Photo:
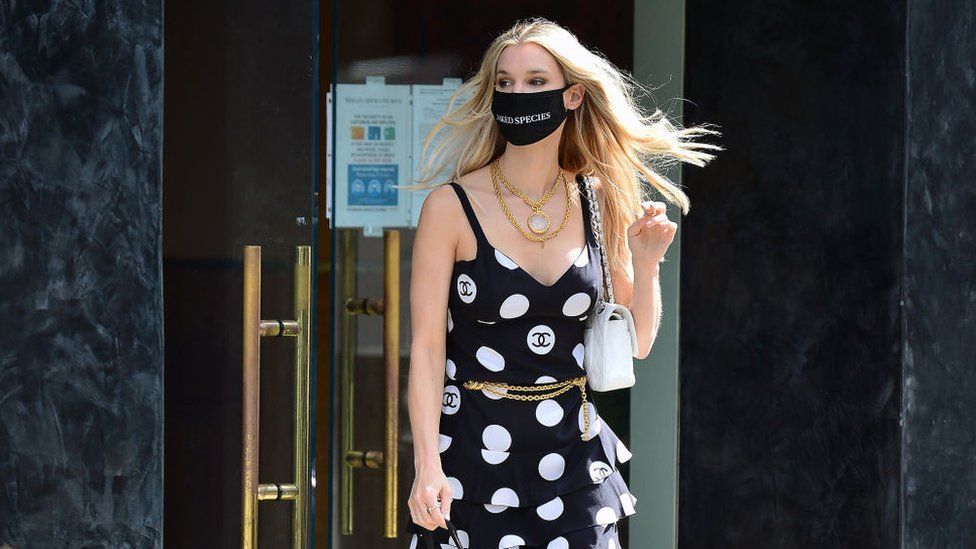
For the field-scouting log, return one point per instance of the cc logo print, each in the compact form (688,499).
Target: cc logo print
(541,338)
(599,471)
(451,400)
(466,288)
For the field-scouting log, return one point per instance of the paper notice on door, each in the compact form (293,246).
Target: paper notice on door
(372,155)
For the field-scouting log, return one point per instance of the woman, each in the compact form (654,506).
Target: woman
(507,251)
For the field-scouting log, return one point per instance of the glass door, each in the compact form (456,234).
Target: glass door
(240,272)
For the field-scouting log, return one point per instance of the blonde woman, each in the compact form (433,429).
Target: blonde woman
(506,270)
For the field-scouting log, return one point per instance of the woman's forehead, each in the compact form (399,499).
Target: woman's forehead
(528,58)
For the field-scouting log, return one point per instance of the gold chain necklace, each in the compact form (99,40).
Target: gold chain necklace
(496,174)
(538,221)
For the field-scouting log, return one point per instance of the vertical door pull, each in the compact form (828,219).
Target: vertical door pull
(252,491)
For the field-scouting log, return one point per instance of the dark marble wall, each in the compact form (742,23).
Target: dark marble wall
(940,278)
(81,336)
(791,343)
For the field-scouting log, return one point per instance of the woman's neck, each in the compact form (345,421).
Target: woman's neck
(531,169)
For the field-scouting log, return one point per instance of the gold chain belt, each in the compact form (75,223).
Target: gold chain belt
(502,390)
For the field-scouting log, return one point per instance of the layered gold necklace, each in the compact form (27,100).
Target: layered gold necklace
(538,221)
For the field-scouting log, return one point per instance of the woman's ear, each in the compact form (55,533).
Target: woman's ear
(576,92)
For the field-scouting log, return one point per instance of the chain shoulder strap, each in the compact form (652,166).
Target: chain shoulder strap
(596,223)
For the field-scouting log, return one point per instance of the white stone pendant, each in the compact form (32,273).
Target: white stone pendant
(539,222)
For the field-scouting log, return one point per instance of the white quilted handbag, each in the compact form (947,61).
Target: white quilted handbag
(610,338)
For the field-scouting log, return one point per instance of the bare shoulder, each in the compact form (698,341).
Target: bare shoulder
(475,176)
(440,209)
(476,180)
(477,186)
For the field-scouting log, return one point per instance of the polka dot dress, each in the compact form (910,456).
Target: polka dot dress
(521,474)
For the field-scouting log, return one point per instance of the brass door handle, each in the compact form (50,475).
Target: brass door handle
(389,307)
(254,328)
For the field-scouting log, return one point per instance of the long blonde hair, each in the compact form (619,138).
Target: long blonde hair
(607,136)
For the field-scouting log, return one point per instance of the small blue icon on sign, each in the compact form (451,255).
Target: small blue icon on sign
(372,184)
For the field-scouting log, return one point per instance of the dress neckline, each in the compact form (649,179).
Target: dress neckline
(483,241)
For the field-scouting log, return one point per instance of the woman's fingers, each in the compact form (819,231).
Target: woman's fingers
(446,497)
(653,207)
(436,511)
(430,500)
(428,519)
(419,514)
(637,226)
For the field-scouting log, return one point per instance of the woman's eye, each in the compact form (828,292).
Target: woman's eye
(534,82)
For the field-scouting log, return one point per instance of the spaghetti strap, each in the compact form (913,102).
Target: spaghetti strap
(469,213)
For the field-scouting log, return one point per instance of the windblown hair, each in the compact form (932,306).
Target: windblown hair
(607,136)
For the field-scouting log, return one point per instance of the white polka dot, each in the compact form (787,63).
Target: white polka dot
(510,540)
(514,305)
(627,504)
(497,438)
(558,543)
(462,537)
(466,288)
(596,422)
(451,400)
(540,339)
(486,321)
(577,304)
(578,354)
(606,515)
(450,320)
(505,496)
(495,508)
(451,369)
(413,541)
(444,443)
(549,412)
(623,454)
(493,457)
(551,466)
(551,510)
(545,379)
(599,471)
(457,491)
(505,261)
(490,358)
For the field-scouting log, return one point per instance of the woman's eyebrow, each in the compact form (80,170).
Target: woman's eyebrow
(533,71)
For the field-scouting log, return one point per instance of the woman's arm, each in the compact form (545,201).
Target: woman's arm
(433,259)
(640,291)
(643,297)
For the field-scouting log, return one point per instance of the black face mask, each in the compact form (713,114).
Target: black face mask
(525,118)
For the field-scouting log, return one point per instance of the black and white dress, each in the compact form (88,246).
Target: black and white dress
(521,474)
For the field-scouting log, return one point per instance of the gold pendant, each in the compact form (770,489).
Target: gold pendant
(539,222)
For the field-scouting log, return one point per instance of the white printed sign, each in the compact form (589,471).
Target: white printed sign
(372,155)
